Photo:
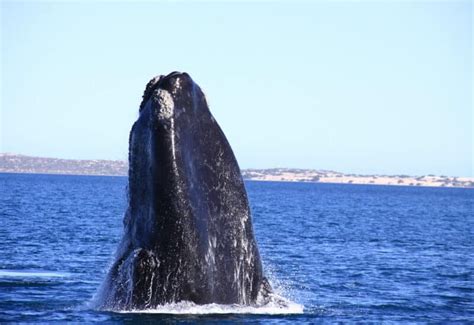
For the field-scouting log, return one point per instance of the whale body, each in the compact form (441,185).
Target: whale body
(188,232)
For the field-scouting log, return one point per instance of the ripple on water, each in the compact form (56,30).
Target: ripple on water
(347,253)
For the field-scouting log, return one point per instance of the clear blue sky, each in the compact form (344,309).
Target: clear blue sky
(363,87)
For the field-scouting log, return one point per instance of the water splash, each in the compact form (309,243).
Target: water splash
(275,307)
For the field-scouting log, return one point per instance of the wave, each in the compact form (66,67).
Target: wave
(190,308)
(31,274)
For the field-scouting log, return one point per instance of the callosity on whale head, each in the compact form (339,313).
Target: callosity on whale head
(188,232)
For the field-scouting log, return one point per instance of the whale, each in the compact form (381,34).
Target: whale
(187,230)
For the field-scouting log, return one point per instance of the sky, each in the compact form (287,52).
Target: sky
(376,87)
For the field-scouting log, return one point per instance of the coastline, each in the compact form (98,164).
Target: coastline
(22,164)
(357,184)
(331,177)
(245,179)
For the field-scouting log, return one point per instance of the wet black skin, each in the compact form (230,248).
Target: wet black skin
(187,231)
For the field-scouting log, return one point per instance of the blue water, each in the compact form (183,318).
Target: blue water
(345,252)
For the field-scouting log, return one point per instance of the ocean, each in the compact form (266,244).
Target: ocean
(338,252)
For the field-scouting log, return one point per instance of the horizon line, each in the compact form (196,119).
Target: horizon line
(248,168)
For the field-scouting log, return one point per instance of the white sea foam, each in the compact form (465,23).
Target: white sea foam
(190,308)
(31,274)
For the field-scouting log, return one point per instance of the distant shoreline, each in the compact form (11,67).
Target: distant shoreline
(21,164)
(245,180)
(59,174)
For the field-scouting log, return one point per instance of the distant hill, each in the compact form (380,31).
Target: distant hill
(12,163)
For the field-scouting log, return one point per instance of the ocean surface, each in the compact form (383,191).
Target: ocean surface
(340,253)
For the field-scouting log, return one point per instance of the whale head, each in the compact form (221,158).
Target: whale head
(173,139)
(169,96)
(187,230)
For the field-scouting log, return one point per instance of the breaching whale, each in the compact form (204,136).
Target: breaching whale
(188,232)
